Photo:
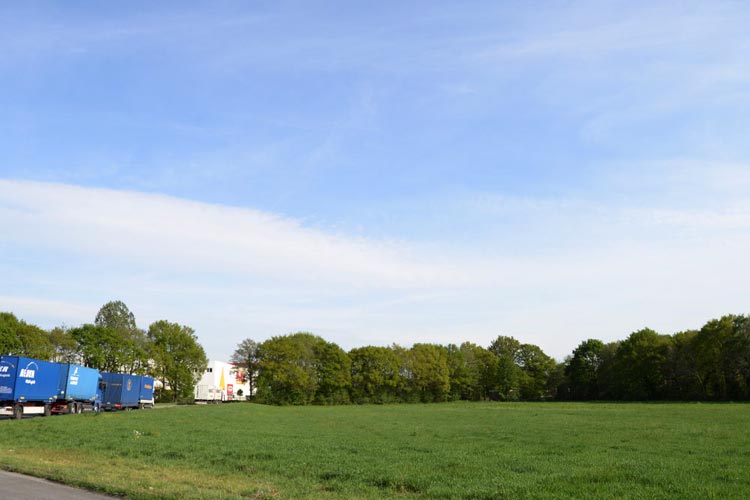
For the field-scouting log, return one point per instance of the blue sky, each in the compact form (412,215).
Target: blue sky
(377,173)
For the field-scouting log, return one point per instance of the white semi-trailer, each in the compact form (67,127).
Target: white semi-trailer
(222,382)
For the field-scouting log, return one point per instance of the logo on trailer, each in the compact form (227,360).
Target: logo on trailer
(29,373)
(5,370)
(74,377)
(130,384)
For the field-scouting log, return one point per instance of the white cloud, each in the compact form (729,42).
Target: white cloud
(175,233)
(233,273)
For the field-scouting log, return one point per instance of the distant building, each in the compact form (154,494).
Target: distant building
(222,382)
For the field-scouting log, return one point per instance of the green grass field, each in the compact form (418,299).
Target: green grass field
(457,450)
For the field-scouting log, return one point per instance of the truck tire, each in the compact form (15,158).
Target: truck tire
(47,410)
(18,411)
(72,407)
(79,408)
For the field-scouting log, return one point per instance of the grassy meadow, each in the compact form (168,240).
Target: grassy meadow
(455,450)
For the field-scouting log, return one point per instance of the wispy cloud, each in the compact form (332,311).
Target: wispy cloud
(174,232)
(620,68)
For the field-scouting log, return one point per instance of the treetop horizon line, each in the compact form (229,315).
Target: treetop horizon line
(678,366)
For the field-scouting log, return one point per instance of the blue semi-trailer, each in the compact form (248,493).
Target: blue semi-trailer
(79,390)
(120,391)
(28,386)
(125,392)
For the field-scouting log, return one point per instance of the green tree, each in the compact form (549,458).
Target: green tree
(685,380)
(23,339)
(462,378)
(131,342)
(582,370)
(557,381)
(430,374)
(607,378)
(10,342)
(641,366)
(116,315)
(536,369)
(99,347)
(246,356)
(710,351)
(288,369)
(333,373)
(479,372)
(737,358)
(722,357)
(375,375)
(507,350)
(406,389)
(64,345)
(178,357)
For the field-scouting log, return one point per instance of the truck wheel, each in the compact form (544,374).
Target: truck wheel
(47,410)
(79,408)
(18,411)
(72,408)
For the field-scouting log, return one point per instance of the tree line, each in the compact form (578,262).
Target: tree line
(167,351)
(712,363)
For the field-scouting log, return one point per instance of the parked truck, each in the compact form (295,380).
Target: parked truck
(79,390)
(33,387)
(125,392)
(28,386)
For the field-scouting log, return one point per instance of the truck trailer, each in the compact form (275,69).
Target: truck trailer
(79,390)
(28,386)
(222,382)
(125,392)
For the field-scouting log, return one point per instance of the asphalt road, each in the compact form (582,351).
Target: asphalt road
(41,489)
